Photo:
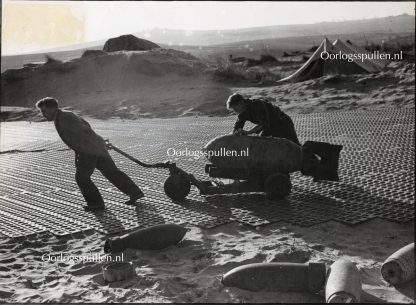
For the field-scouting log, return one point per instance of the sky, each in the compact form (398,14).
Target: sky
(34,25)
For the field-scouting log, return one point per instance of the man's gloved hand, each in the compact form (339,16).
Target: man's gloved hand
(240,132)
(108,144)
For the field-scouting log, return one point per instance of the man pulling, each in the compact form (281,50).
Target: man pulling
(90,153)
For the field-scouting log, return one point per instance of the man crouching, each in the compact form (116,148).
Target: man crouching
(90,153)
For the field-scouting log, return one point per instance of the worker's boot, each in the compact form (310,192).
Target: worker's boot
(134,198)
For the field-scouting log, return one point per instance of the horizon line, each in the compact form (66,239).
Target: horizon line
(37,51)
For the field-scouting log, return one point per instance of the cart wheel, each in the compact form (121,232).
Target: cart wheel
(177,186)
(277,186)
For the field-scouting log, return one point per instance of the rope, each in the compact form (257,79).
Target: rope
(17,151)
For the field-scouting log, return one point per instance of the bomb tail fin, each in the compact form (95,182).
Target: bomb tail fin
(321,160)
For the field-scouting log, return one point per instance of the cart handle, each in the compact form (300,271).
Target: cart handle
(166,164)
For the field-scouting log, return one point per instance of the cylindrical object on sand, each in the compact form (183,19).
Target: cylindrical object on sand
(279,277)
(399,268)
(343,283)
(118,271)
(152,238)
(254,154)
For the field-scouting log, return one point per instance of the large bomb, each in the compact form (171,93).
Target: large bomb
(152,238)
(242,157)
(399,267)
(277,277)
(254,154)
(343,284)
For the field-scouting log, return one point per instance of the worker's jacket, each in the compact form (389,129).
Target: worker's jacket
(78,134)
(260,112)
(274,121)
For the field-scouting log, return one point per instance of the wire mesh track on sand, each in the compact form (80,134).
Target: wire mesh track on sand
(38,192)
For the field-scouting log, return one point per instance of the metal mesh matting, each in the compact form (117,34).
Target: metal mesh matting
(38,192)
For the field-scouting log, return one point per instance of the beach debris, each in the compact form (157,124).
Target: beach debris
(152,238)
(118,271)
(399,267)
(343,284)
(277,277)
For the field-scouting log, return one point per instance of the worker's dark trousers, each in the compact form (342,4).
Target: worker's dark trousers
(85,165)
(284,128)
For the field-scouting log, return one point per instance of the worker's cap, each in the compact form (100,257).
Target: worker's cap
(234,99)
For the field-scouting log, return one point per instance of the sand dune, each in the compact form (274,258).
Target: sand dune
(169,83)
(163,83)
(391,88)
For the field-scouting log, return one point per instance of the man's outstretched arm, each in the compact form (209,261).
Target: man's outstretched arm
(239,124)
(256,129)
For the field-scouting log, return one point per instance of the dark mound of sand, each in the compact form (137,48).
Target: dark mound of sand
(126,84)
(128,43)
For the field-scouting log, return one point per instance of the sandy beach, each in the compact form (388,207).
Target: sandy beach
(191,271)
